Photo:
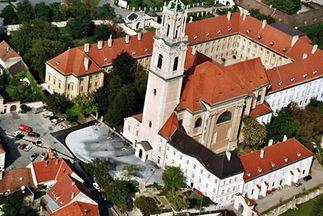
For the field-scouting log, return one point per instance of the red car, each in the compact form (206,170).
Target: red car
(25,128)
(33,134)
(22,146)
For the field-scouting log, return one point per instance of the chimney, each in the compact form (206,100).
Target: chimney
(21,178)
(228,154)
(262,153)
(8,48)
(191,19)
(127,39)
(285,138)
(139,36)
(86,47)
(229,15)
(294,40)
(244,15)
(73,183)
(56,161)
(304,56)
(270,143)
(193,51)
(264,23)
(73,194)
(86,62)
(110,41)
(100,44)
(314,48)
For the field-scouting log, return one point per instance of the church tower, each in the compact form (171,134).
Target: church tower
(166,70)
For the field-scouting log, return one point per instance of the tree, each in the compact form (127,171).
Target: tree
(13,206)
(58,103)
(9,15)
(286,6)
(86,104)
(105,12)
(254,133)
(80,27)
(173,178)
(117,193)
(25,11)
(101,32)
(43,11)
(315,32)
(147,205)
(59,12)
(42,50)
(178,200)
(282,124)
(125,66)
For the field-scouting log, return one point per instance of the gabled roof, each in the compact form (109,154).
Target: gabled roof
(219,165)
(275,157)
(261,109)
(50,170)
(65,190)
(213,83)
(6,51)
(15,178)
(170,126)
(78,209)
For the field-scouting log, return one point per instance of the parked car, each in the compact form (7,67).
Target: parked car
(19,137)
(96,186)
(33,156)
(27,148)
(298,184)
(22,146)
(52,117)
(33,134)
(48,114)
(38,143)
(56,121)
(307,178)
(25,128)
(16,133)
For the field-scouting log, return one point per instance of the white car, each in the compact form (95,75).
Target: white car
(27,148)
(48,114)
(16,133)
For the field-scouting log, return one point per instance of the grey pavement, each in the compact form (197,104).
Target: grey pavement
(16,158)
(100,141)
(288,193)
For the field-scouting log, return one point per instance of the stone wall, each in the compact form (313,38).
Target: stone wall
(292,204)
(306,18)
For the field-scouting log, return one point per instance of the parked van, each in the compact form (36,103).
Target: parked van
(38,109)
(25,128)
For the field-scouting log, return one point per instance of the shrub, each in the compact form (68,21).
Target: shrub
(147,205)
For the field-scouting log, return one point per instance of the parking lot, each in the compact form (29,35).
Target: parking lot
(15,157)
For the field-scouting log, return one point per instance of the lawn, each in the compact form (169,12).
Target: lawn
(304,209)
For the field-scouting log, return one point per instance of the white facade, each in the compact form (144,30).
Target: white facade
(140,20)
(300,94)
(287,175)
(220,191)
(225,2)
(264,119)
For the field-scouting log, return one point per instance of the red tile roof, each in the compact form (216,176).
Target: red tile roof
(170,126)
(138,117)
(260,110)
(16,178)
(275,157)
(78,209)
(213,83)
(7,52)
(50,170)
(65,190)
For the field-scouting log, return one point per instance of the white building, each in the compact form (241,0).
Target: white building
(225,2)
(140,20)
(2,159)
(272,168)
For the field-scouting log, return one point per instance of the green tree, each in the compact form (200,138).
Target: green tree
(254,133)
(80,27)
(255,13)
(43,11)
(173,178)
(86,104)
(178,200)
(59,12)
(101,32)
(9,15)
(282,124)
(15,207)
(105,12)
(315,32)
(147,205)
(117,193)
(125,66)
(58,103)
(25,11)
(41,51)
(286,6)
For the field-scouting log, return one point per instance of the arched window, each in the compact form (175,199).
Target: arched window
(155,92)
(175,64)
(150,124)
(226,116)
(198,122)
(168,28)
(160,61)
(259,98)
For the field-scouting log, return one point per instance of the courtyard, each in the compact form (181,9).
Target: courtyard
(97,140)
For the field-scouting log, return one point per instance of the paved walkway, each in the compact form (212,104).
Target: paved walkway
(287,193)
